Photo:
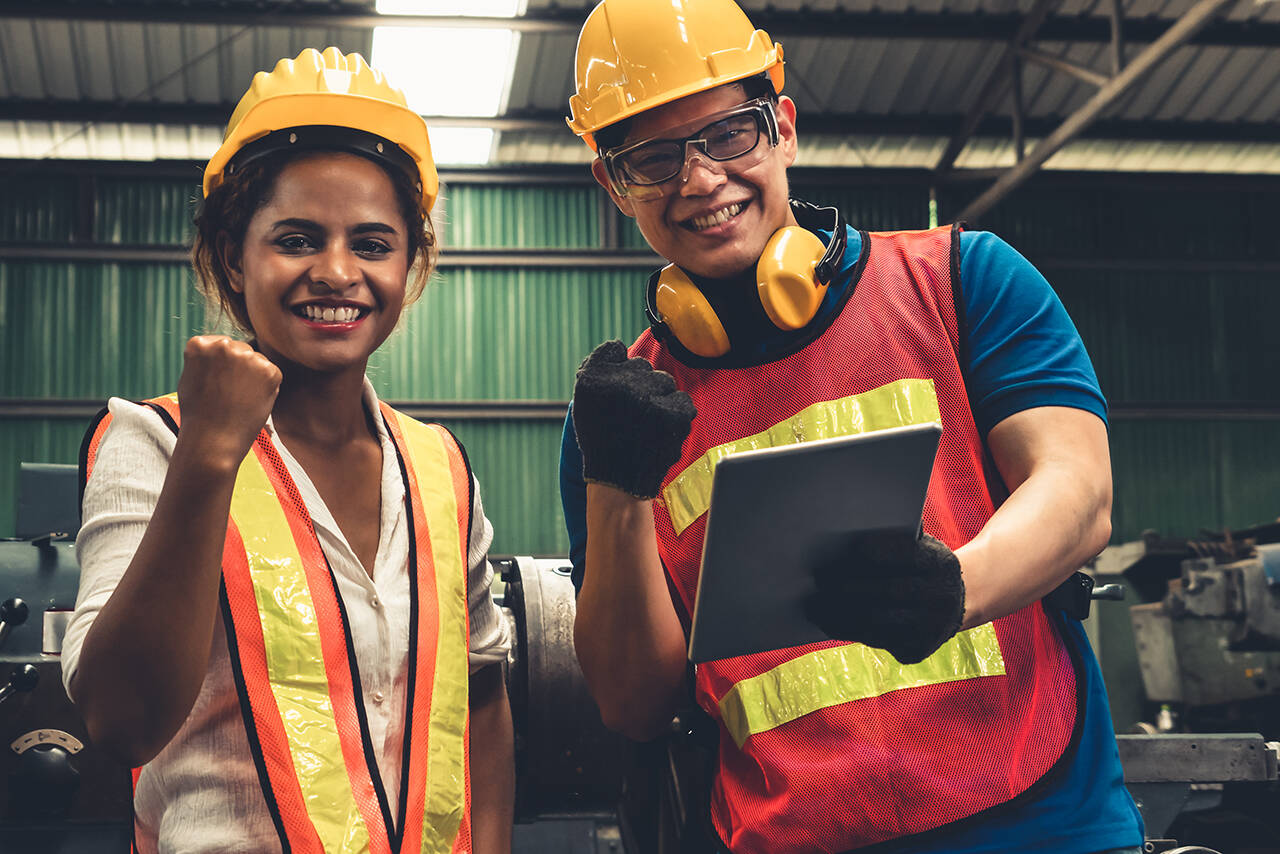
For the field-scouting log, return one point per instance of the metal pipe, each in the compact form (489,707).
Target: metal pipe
(451,258)
(82,409)
(1019,133)
(1117,37)
(947,26)
(1175,36)
(595,259)
(1057,63)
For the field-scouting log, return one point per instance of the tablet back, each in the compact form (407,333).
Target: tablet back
(777,511)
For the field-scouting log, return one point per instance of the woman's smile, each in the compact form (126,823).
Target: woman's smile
(324,263)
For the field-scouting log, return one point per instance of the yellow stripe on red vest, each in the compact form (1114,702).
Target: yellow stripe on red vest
(841,674)
(897,404)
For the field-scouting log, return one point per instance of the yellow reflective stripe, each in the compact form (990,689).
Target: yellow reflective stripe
(295,661)
(446,751)
(896,404)
(841,674)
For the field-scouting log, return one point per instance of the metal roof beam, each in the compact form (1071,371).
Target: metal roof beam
(1177,35)
(944,26)
(552,122)
(996,85)
(1057,63)
(216,115)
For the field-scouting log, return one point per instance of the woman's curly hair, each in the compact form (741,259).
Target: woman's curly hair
(228,209)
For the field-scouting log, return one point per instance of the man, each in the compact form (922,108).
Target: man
(965,715)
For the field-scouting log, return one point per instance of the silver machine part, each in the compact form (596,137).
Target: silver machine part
(567,763)
(1215,636)
(56,621)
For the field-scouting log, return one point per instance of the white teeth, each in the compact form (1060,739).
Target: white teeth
(723,215)
(330,314)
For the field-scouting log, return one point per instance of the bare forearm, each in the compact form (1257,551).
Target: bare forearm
(493,781)
(1057,517)
(146,655)
(628,637)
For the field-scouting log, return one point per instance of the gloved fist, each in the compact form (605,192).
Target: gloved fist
(892,591)
(630,419)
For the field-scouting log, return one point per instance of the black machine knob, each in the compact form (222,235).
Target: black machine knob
(13,612)
(22,678)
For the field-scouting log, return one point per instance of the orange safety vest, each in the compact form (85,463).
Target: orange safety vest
(295,670)
(834,746)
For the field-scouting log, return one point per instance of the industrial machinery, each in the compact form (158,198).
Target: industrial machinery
(581,789)
(59,795)
(1208,650)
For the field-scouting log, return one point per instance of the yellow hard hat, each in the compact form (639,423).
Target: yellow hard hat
(315,94)
(634,55)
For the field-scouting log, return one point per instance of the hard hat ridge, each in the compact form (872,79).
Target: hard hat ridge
(327,89)
(634,55)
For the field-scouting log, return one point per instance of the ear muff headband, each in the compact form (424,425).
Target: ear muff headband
(791,278)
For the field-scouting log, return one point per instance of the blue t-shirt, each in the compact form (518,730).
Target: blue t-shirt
(1024,352)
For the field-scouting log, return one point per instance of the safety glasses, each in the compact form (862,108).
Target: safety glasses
(643,169)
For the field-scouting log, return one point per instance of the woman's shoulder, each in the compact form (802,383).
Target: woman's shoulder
(129,429)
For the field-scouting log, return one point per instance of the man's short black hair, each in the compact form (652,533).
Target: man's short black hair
(758,86)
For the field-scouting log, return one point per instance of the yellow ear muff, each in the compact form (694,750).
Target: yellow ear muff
(789,289)
(686,312)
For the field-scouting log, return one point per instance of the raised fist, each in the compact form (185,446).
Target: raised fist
(226,391)
(630,420)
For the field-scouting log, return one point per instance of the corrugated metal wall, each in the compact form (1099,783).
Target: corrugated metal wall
(1160,335)
(1175,288)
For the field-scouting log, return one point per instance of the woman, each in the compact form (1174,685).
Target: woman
(281,577)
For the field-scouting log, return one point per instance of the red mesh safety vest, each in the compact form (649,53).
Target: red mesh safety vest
(835,746)
(293,663)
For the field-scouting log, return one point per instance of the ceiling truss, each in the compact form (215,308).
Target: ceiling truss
(1008,77)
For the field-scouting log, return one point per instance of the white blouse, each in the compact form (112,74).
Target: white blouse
(201,792)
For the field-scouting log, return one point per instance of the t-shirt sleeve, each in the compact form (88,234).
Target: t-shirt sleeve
(490,633)
(573,497)
(119,500)
(1023,349)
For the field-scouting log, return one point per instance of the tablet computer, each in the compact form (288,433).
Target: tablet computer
(776,512)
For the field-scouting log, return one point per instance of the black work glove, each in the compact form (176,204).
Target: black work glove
(889,590)
(630,419)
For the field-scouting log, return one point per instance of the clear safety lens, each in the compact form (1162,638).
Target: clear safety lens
(651,162)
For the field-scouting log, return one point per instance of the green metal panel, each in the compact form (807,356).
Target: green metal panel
(1179,477)
(136,212)
(93,330)
(1123,220)
(37,208)
(517,464)
(1160,336)
(32,441)
(502,216)
(873,207)
(90,330)
(482,334)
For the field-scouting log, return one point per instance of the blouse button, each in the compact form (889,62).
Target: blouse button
(378,697)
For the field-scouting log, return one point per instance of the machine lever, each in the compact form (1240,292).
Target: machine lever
(22,678)
(13,612)
(1110,592)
